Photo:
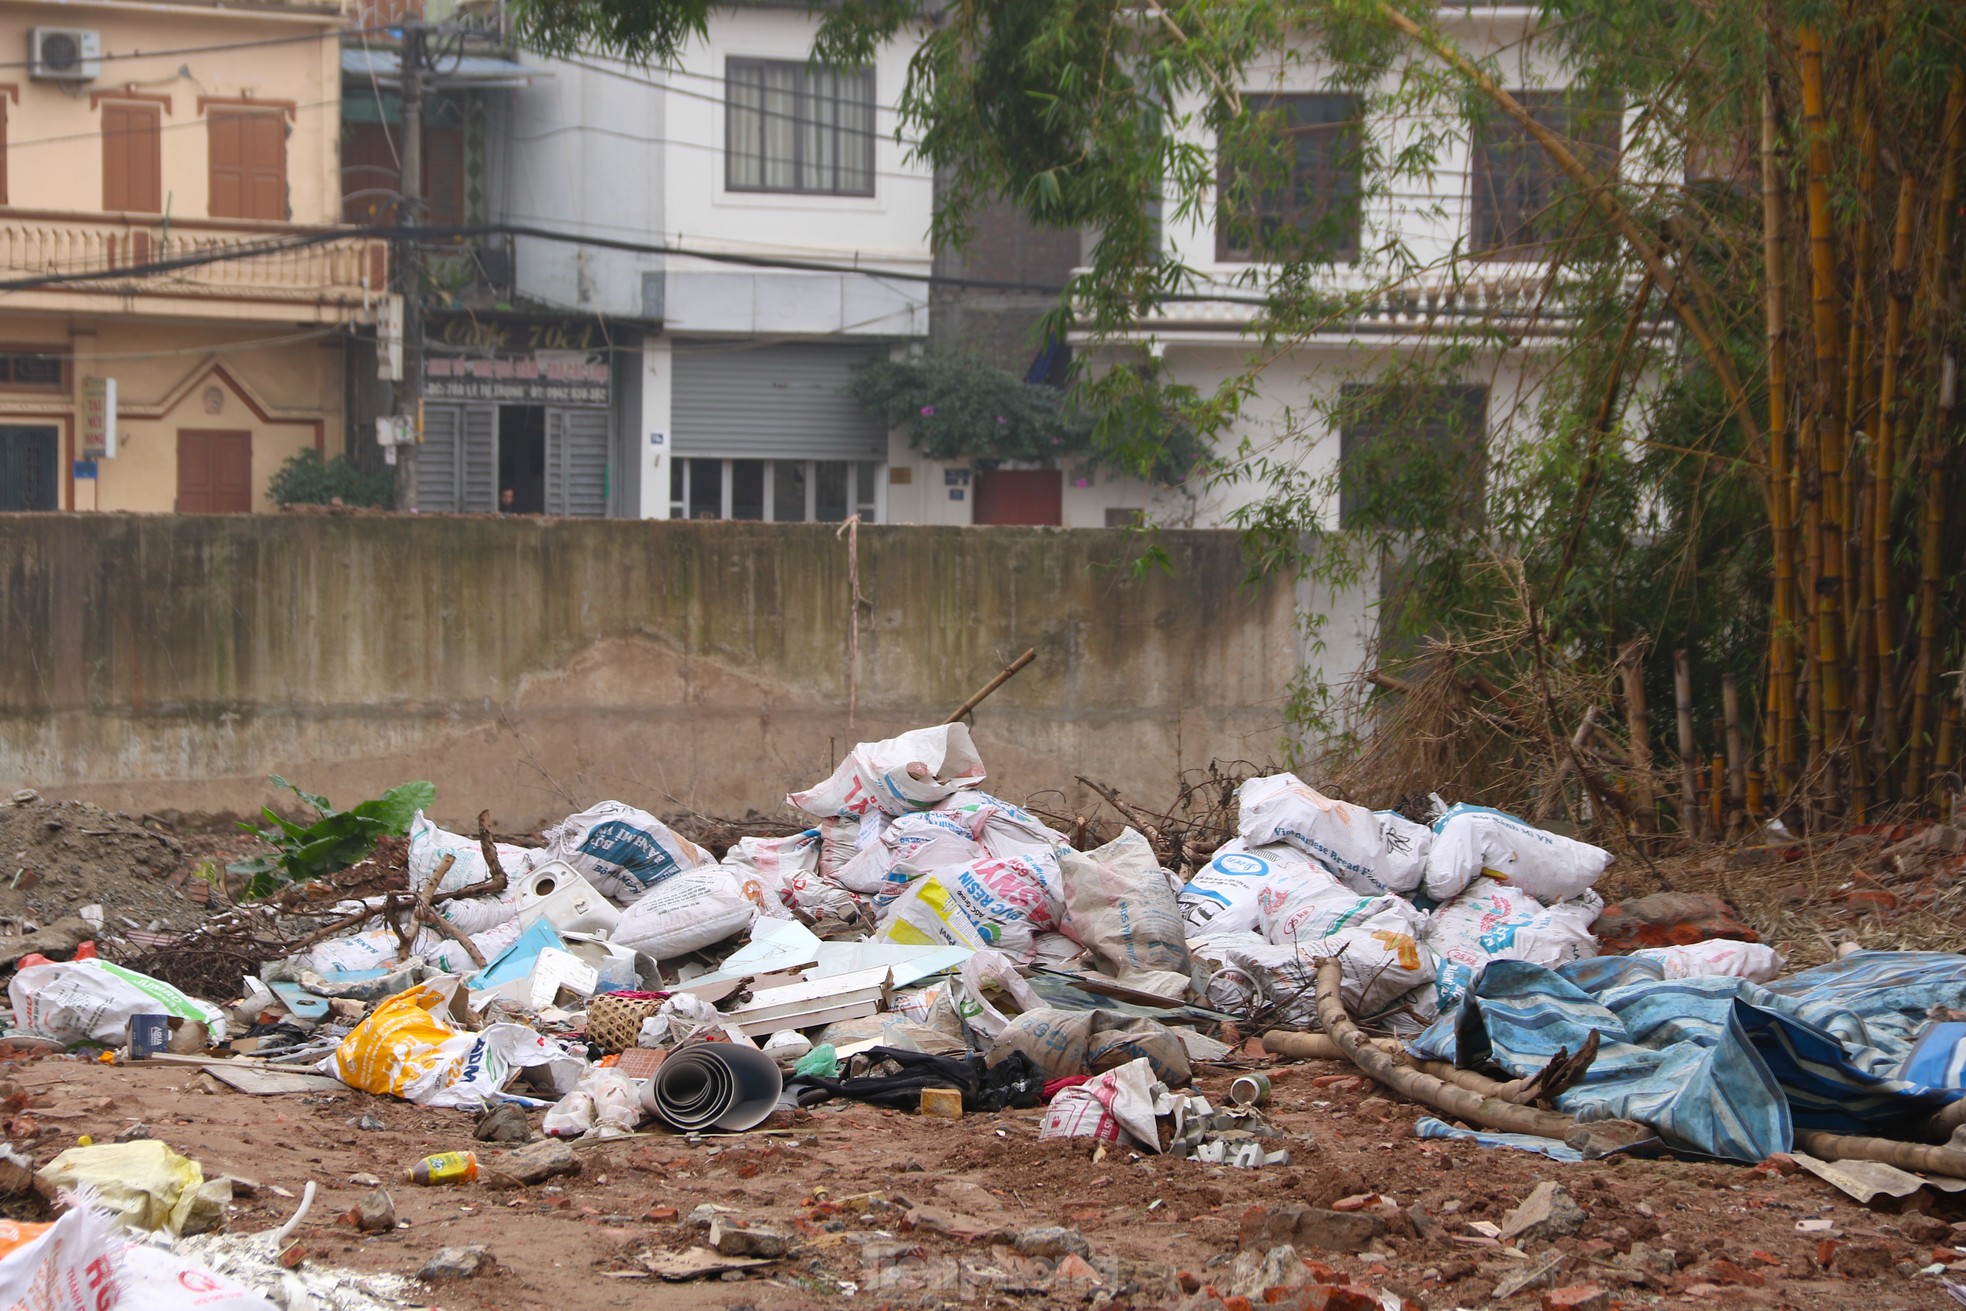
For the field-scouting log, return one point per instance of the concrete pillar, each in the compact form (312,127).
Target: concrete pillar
(658,377)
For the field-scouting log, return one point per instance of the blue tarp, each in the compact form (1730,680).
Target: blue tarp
(1719,1065)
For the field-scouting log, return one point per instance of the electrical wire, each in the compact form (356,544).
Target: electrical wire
(331,34)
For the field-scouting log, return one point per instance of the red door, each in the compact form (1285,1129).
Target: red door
(214,472)
(1020,496)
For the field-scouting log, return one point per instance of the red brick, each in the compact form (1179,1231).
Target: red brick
(1576,1297)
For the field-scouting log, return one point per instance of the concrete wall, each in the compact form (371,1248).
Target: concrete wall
(533,666)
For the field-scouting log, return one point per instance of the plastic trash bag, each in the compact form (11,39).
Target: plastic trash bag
(907,848)
(1064,1043)
(604,1104)
(1473,840)
(689,911)
(932,911)
(1493,920)
(1755,961)
(1120,1100)
(679,1019)
(93,1000)
(409,1048)
(142,1185)
(909,772)
(1344,838)
(1120,905)
(621,850)
(1404,865)
(1224,894)
(70,1264)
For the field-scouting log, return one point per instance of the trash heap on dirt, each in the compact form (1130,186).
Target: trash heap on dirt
(927,947)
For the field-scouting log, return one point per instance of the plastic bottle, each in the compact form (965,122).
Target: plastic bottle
(445,1168)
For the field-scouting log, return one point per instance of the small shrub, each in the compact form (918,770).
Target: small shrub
(308,479)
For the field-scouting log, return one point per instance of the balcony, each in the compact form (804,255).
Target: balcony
(276,272)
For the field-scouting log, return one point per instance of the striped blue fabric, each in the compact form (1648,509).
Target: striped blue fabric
(1718,1065)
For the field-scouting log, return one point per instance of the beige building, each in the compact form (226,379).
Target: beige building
(169,202)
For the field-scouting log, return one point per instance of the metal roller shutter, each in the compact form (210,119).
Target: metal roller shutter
(457,461)
(577,462)
(773,401)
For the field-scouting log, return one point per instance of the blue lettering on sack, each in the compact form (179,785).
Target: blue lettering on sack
(634,851)
(1242,865)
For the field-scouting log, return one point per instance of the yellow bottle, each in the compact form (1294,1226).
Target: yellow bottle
(445,1168)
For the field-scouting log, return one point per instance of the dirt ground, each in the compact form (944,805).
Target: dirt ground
(955,1190)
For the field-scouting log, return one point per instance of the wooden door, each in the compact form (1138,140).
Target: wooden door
(1020,496)
(132,155)
(248,163)
(214,472)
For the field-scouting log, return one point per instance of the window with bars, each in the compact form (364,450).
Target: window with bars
(1311,213)
(794,128)
(1518,191)
(779,491)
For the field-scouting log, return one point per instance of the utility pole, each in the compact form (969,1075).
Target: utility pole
(409,257)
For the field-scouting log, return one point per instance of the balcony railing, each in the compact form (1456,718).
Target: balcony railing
(334,276)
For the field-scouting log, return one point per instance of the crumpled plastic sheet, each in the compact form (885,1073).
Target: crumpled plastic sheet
(253,1260)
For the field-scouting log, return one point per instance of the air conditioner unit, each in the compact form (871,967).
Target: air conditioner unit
(64,54)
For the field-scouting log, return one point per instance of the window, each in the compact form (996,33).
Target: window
(1517,186)
(248,163)
(1314,212)
(789,127)
(1397,444)
(132,157)
(780,491)
(27,370)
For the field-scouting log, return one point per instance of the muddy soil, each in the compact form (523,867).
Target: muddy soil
(576,1244)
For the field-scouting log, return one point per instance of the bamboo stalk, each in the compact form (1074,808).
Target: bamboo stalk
(1631,673)
(1781,661)
(1689,765)
(1883,619)
(1830,453)
(1737,760)
(1716,795)
(1932,511)
(1906,1156)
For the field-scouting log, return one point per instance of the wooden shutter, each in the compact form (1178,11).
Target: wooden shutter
(248,164)
(1321,147)
(214,472)
(132,151)
(370,174)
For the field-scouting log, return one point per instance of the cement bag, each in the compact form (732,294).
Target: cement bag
(1472,840)
(988,903)
(839,842)
(909,772)
(447,956)
(93,1000)
(1119,904)
(430,844)
(1005,829)
(156,1279)
(1493,920)
(1057,951)
(603,1104)
(143,1185)
(409,1048)
(1343,838)
(482,914)
(771,864)
(1404,865)
(1756,962)
(621,850)
(685,913)
(72,1264)
(1066,1043)
(989,991)
(907,848)
(1222,896)
(371,949)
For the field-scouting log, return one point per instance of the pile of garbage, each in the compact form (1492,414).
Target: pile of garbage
(927,946)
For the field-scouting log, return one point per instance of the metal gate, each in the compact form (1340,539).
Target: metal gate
(30,469)
(577,461)
(457,461)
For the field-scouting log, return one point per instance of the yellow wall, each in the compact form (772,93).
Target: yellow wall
(287,393)
(54,147)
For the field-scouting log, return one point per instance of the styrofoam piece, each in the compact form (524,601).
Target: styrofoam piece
(714,1085)
(814,1002)
(557,893)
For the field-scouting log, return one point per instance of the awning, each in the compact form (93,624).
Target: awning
(459,73)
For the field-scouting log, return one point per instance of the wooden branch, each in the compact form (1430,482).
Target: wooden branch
(1562,1073)
(495,872)
(1004,675)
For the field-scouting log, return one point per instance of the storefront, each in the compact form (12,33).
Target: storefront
(519,416)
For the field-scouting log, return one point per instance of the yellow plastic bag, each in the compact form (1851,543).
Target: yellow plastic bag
(401,1046)
(144,1184)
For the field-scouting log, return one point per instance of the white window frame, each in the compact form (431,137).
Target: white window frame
(679,509)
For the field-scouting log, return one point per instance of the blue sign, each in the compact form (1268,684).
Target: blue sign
(85,469)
